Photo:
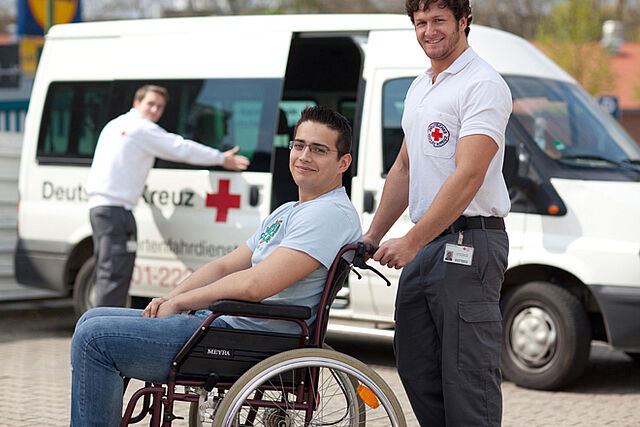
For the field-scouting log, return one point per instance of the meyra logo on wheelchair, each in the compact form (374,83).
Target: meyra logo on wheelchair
(252,378)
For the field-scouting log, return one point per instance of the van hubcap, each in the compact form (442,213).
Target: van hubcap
(533,337)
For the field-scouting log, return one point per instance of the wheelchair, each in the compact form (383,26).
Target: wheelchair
(235,378)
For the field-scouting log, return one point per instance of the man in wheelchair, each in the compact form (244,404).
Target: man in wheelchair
(285,262)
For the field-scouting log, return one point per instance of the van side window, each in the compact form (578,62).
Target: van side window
(393,94)
(223,113)
(293,109)
(220,113)
(73,117)
(347,107)
(290,112)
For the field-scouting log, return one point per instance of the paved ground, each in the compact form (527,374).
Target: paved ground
(35,376)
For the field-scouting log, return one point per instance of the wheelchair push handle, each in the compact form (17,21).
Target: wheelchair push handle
(370,249)
(363,252)
(359,260)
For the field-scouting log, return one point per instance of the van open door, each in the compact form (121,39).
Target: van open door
(236,104)
(323,69)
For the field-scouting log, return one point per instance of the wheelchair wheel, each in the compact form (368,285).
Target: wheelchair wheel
(349,393)
(206,407)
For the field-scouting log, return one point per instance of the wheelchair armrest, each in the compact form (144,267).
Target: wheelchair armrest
(244,308)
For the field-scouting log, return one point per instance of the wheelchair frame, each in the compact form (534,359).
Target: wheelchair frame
(159,400)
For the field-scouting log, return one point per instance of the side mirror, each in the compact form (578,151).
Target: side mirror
(541,197)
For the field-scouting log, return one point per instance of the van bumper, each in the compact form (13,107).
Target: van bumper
(42,264)
(621,313)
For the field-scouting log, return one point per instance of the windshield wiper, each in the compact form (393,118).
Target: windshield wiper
(594,157)
(628,164)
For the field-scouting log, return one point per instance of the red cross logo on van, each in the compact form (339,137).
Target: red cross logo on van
(223,200)
(437,134)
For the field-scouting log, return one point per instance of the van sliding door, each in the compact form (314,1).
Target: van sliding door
(226,96)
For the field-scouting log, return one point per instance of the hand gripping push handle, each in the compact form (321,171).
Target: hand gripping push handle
(359,260)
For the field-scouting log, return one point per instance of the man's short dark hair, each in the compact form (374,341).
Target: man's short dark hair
(142,92)
(460,9)
(332,120)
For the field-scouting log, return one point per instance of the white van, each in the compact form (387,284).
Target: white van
(573,174)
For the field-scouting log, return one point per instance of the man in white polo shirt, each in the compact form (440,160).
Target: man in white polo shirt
(126,150)
(448,172)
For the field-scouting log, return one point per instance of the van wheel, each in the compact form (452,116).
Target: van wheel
(83,288)
(546,336)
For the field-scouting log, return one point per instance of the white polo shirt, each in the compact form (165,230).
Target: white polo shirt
(468,98)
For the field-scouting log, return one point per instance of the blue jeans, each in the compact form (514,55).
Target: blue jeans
(110,343)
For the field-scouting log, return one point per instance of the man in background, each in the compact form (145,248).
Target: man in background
(126,150)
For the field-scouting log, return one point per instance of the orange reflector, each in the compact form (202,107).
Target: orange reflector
(553,209)
(368,397)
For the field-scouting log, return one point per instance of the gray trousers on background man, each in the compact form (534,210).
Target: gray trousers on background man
(448,331)
(114,245)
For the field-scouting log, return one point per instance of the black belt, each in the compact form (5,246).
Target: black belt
(475,222)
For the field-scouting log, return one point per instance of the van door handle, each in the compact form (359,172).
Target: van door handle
(369,202)
(254,195)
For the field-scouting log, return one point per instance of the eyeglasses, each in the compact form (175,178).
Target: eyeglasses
(315,148)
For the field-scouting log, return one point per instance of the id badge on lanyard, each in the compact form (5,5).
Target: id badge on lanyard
(458,254)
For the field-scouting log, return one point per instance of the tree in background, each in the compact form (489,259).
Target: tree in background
(118,9)
(570,36)
(337,6)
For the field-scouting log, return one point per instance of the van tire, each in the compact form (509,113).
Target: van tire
(546,336)
(83,287)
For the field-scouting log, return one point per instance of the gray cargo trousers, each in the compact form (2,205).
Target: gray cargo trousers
(448,331)
(114,243)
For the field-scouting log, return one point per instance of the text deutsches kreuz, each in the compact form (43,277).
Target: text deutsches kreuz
(78,193)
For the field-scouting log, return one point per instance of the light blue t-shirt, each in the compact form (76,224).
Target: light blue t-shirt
(319,228)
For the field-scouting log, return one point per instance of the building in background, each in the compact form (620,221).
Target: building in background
(626,68)
(14,93)
(19,55)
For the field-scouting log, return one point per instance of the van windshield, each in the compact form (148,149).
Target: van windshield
(568,126)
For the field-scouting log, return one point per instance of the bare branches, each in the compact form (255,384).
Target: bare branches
(521,17)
